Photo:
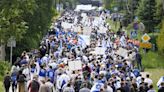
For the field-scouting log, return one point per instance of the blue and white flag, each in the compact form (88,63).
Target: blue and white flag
(81,42)
(97,87)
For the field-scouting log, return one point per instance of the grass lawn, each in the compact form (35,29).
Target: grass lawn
(1,87)
(152,60)
(153,64)
(155,74)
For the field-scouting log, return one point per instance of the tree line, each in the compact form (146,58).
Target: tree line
(149,12)
(26,20)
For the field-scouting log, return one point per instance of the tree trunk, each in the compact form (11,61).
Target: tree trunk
(2,53)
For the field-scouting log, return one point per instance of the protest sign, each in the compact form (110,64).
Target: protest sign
(122,52)
(66,25)
(102,29)
(75,65)
(77,29)
(87,30)
(100,50)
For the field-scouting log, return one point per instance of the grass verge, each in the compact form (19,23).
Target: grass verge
(155,74)
(1,86)
(4,67)
(152,60)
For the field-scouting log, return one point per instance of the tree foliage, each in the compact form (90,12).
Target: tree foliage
(111,4)
(147,13)
(11,20)
(160,39)
(26,20)
(39,23)
(159,12)
(107,4)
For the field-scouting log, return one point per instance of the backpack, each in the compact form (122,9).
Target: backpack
(21,78)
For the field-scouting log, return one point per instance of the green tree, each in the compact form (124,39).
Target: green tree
(146,13)
(160,39)
(159,12)
(131,7)
(11,18)
(26,20)
(39,23)
(107,4)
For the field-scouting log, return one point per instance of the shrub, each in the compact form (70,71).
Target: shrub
(4,67)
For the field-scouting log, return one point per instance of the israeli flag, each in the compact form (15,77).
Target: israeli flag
(97,87)
(81,42)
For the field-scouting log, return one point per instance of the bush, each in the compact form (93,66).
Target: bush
(160,39)
(4,67)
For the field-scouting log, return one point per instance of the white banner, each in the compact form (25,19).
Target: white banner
(100,50)
(87,30)
(122,52)
(102,29)
(75,65)
(66,25)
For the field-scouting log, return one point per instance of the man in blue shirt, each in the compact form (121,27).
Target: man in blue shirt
(51,74)
(42,73)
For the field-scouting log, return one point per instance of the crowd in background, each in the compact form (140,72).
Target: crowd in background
(46,69)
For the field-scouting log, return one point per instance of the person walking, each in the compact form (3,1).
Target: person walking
(139,61)
(34,85)
(50,85)
(84,89)
(151,89)
(6,82)
(69,88)
(161,89)
(14,80)
(21,78)
(44,87)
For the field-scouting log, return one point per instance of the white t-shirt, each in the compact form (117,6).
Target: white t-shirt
(109,89)
(149,81)
(160,81)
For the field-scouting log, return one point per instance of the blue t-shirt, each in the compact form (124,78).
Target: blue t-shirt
(51,74)
(42,73)
(39,61)
(33,69)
